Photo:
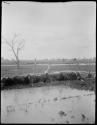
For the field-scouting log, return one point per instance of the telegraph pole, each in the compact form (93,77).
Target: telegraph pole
(35,66)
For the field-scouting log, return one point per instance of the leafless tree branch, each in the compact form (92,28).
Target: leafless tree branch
(5,2)
(15,49)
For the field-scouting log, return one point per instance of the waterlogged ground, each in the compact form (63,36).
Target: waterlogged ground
(52,104)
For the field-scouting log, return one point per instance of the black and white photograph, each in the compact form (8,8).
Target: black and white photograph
(48,62)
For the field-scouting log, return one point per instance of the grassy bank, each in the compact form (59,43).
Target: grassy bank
(73,80)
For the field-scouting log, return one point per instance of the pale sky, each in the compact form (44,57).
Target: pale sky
(51,30)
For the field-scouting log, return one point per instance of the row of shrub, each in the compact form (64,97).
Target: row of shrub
(43,79)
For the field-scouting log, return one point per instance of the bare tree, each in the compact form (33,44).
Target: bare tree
(5,2)
(16,46)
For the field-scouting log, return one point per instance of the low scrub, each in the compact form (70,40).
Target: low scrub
(89,75)
(42,79)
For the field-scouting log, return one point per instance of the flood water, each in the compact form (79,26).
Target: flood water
(57,104)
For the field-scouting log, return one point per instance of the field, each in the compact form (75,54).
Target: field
(11,70)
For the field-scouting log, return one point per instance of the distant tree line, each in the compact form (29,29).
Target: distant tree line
(51,61)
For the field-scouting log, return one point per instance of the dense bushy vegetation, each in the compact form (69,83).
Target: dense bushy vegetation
(35,80)
(89,75)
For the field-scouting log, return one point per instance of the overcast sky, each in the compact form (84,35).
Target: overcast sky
(51,30)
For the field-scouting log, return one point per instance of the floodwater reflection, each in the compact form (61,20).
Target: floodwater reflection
(52,104)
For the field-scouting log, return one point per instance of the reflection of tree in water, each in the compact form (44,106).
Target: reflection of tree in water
(16,98)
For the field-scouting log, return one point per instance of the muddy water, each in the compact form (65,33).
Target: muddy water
(56,104)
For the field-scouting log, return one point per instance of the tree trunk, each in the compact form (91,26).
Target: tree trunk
(18,67)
